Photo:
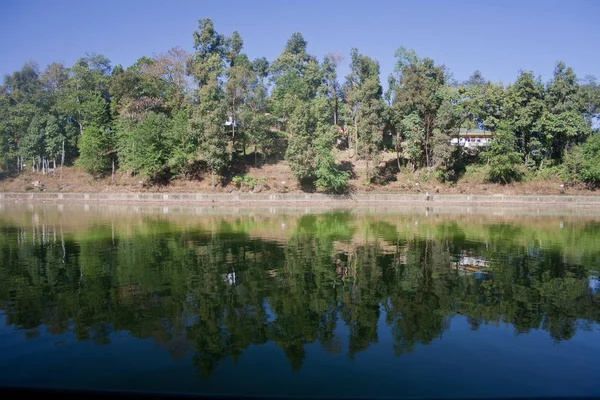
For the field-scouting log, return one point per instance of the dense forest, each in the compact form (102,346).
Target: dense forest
(179,116)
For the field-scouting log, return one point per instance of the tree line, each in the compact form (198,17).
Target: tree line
(177,114)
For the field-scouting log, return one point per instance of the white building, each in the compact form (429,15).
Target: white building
(472,138)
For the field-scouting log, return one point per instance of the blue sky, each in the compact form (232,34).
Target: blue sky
(496,37)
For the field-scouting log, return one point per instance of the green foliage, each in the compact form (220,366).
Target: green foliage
(183,111)
(250,182)
(329,177)
(309,153)
(182,143)
(85,95)
(141,275)
(444,158)
(524,101)
(33,144)
(301,153)
(420,92)
(582,162)
(208,128)
(548,172)
(142,146)
(475,173)
(95,145)
(208,65)
(503,160)
(414,137)
(296,75)
(363,96)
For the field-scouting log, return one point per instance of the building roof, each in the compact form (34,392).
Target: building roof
(474,133)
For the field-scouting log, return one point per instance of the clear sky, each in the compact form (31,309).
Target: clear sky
(496,37)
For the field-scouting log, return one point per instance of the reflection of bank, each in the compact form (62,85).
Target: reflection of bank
(474,266)
(594,283)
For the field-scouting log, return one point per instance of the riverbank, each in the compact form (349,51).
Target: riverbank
(226,199)
(277,179)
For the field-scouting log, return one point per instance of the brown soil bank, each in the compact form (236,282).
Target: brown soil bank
(274,179)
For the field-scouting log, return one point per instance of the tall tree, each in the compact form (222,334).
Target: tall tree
(85,98)
(208,119)
(253,116)
(170,69)
(363,96)
(590,98)
(296,75)
(330,86)
(420,90)
(241,79)
(22,100)
(525,106)
(301,153)
(563,122)
(309,153)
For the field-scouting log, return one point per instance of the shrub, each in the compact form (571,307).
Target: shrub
(246,181)
(330,178)
(547,173)
(582,162)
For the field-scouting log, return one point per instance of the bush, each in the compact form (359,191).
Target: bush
(445,159)
(330,178)
(475,173)
(246,181)
(386,172)
(582,162)
(547,173)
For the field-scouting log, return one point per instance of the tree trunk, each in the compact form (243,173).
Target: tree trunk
(233,122)
(112,177)
(524,147)
(427,134)
(355,138)
(62,159)
(398,146)
(335,108)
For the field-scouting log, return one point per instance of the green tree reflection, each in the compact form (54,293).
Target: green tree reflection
(212,294)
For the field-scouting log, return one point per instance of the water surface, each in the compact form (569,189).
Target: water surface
(283,302)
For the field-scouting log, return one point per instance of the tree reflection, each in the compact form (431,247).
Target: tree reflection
(214,294)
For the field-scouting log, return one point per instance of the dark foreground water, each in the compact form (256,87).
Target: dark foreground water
(281,303)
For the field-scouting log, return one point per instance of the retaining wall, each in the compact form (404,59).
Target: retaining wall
(246,198)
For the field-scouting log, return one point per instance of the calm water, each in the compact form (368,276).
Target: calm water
(286,303)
